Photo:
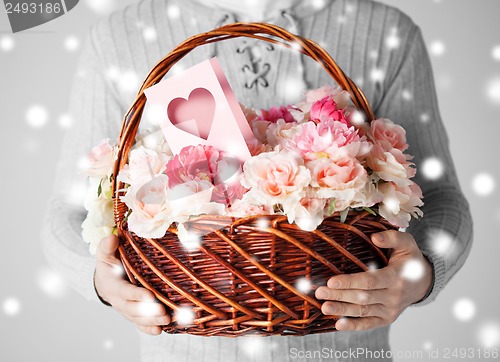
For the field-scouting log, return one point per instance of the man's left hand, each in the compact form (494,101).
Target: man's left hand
(378,297)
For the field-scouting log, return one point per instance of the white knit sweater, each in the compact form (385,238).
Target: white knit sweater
(397,80)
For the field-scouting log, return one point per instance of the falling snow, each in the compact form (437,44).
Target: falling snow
(253,346)
(65,121)
(149,34)
(393,41)
(493,91)
(318,4)
(37,116)
(441,242)
(432,168)
(424,117)
(108,344)
(489,335)
(377,75)
(464,309)
(413,270)
(406,95)
(495,53)
(71,43)
(101,7)
(173,11)
(149,309)
(184,316)
(7,43)
(304,285)
(128,82)
(51,283)
(437,48)
(11,306)
(483,184)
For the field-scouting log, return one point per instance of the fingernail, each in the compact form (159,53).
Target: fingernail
(330,309)
(321,294)
(380,237)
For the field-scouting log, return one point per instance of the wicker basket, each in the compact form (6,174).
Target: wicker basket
(243,277)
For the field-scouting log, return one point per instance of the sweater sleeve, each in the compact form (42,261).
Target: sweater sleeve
(96,114)
(444,234)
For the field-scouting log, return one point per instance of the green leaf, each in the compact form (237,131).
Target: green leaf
(343,215)
(331,209)
(99,189)
(370,211)
(127,215)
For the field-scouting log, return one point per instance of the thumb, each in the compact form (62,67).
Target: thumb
(392,239)
(107,248)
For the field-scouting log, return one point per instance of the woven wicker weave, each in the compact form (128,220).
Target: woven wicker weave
(243,278)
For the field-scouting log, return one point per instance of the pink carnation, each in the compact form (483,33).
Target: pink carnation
(273,114)
(326,109)
(208,164)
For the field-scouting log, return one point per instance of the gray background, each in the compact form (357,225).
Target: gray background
(41,320)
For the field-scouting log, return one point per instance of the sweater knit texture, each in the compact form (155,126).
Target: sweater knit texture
(397,81)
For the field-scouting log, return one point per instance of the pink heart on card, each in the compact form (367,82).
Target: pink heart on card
(194,115)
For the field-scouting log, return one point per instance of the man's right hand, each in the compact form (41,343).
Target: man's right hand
(137,304)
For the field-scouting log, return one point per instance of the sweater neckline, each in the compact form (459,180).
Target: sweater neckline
(300,10)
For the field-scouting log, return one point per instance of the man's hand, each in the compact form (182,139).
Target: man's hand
(378,297)
(138,305)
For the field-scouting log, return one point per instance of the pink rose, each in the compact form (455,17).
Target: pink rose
(151,211)
(275,176)
(243,207)
(307,213)
(391,166)
(100,160)
(388,134)
(143,165)
(278,133)
(400,203)
(273,114)
(341,179)
(326,109)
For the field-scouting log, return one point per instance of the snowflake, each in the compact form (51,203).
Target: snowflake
(108,344)
(483,184)
(304,285)
(37,116)
(184,316)
(377,75)
(11,306)
(51,283)
(71,43)
(101,7)
(7,43)
(489,335)
(65,121)
(493,91)
(432,168)
(173,11)
(413,270)
(464,309)
(495,53)
(393,41)
(437,48)
(149,34)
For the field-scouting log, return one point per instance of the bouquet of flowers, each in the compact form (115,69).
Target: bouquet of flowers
(309,161)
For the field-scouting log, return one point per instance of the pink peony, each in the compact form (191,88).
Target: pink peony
(326,109)
(100,160)
(275,176)
(273,114)
(388,134)
(328,139)
(340,96)
(341,179)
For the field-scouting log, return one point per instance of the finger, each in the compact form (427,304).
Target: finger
(357,296)
(359,324)
(369,280)
(151,330)
(392,239)
(106,249)
(143,309)
(130,292)
(150,321)
(352,310)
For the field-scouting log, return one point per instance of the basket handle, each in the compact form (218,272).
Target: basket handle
(263,31)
